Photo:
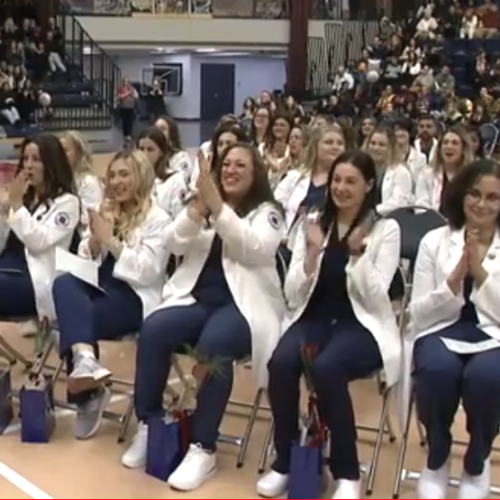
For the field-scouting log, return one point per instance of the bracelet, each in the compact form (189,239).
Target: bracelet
(116,247)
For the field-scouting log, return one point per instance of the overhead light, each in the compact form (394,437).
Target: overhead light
(207,50)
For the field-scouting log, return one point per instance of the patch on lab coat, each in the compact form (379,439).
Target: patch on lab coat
(62,219)
(274,219)
(184,166)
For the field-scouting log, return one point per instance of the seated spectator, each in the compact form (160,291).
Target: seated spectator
(444,83)
(489,20)
(342,79)
(427,26)
(7,104)
(469,24)
(55,53)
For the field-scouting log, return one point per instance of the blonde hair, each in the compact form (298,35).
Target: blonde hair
(311,151)
(83,153)
(126,220)
(437,161)
(393,157)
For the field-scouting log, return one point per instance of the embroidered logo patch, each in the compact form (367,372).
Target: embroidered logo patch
(62,219)
(184,166)
(274,219)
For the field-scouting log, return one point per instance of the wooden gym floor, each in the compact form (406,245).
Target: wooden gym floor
(66,468)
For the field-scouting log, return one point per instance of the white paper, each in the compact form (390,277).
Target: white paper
(461,347)
(84,269)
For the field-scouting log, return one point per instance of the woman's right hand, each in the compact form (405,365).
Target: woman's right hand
(315,240)
(94,247)
(456,278)
(197,210)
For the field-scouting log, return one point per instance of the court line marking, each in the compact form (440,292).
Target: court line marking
(21,483)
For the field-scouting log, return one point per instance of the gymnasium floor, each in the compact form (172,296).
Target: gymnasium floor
(66,468)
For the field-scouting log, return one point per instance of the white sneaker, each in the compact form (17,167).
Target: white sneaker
(29,328)
(135,456)
(273,484)
(348,489)
(476,487)
(433,484)
(198,466)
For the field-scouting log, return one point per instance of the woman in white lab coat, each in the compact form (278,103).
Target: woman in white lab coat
(414,160)
(453,152)
(88,186)
(229,120)
(337,294)
(39,212)
(455,327)
(178,159)
(126,242)
(304,189)
(394,187)
(225,300)
(170,187)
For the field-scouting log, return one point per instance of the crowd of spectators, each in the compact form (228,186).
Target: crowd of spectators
(443,60)
(29,55)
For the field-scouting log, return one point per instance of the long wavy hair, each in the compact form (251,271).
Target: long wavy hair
(126,219)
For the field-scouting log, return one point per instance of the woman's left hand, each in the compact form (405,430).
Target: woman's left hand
(356,240)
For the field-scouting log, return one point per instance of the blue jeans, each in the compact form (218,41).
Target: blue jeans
(220,335)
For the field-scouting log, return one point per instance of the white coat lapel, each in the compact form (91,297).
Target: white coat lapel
(437,188)
(387,184)
(455,250)
(491,260)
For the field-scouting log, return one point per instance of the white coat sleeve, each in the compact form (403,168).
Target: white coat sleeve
(142,263)
(171,193)
(423,192)
(38,236)
(284,188)
(485,298)
(373,272)
(4,231)
(252,241)
(181,234)
(402,192)
(91,193)
(297,283)
(181,162)
(431,302)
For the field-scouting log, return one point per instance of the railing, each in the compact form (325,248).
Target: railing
(333,10)
(96,65)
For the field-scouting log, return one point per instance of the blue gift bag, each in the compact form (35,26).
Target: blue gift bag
(306,472)
(36,405)
(167,444)
(6,412)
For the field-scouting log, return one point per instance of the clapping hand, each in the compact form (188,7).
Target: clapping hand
(101,228)
(208,193)
(17,190)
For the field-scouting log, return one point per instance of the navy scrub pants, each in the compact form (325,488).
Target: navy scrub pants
(86,315)
(443,378)
(17,295)
(219,335)
(347,352)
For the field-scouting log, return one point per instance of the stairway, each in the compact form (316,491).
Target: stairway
(87,101)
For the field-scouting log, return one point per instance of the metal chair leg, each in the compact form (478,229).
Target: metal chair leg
(249,428)
(13,352)
(378,443)
(266,447)
(127,417)
(400,472)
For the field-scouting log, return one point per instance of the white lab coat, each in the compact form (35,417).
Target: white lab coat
(169,194)
(368,282)
(434,306)
(41,233)
(249,262)
(143,260)
(181,162)
(90,191)
(433,150)
(397,189)
(290,192)
(415,162)
(429,188)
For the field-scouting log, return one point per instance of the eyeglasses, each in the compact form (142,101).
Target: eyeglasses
(492,200)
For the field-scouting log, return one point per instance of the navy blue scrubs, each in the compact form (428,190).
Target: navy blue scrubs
(217,330)
(17,295)
(347,351)
(443,378)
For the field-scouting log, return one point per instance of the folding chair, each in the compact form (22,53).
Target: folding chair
(489,136)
